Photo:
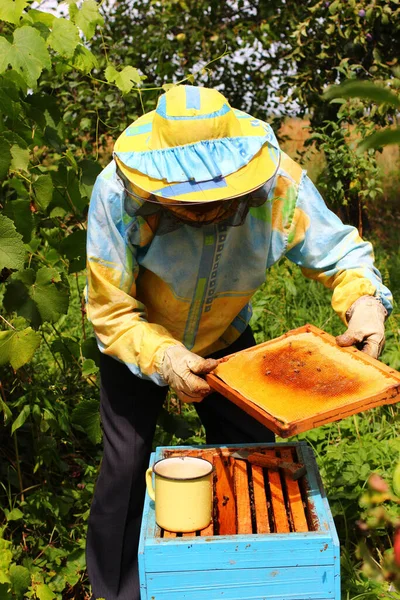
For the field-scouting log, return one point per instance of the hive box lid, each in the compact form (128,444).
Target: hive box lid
(303,379)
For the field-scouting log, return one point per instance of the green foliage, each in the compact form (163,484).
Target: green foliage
(61,99)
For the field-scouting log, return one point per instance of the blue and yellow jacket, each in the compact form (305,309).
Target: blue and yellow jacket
(194,285)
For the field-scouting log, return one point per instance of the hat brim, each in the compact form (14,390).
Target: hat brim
(258,171)
(260,168)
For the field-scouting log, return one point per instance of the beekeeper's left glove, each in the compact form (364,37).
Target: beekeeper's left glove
(181,368)
(366,326)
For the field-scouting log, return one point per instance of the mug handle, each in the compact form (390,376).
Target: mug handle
(149,483)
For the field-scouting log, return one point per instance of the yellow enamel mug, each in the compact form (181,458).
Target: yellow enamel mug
(182,492)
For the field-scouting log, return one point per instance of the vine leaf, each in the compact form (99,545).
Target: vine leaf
(86,417)
(125,79)
(20,576)
(18,347)
(74,248)
(12,252)
(84,60)
(43,592)
(28,54)
(11,10)
(43,188)
(87,17)
(385,137)
(39,297)
(64,37)
(20,158)
(5,159)
(19,211)
(362,89)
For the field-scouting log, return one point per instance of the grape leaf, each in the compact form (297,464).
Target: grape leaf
(43,188)
(89,367)
(12,252)
(41,296)
(11,10)
(87,17)
(51,294)
(28,54)
(20,158)
(20,212)
(40,16)
(5,160)
(86,417)
(396,480)
(125,79)
(385,137)
(15,515)
(18,347)
(19,575)
(64,37)
(84,60)
(43,592)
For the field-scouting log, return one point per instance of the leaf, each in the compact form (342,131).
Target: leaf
(396,480)
(90,170)
(64,37)
(18,347)
(28,54)
(19,211)
(125,79)
(43,188)
(15,515)
(386,137)
(41,296)
(22,417)
(86,416)
(362,89)
(43,592)
(5,160)
(20,576)
(11,10)
(91,350)
(84,60)
(87,17)
(89,367)
(51,294)
(67,347)
(12,252)
(20,158)
(74,247)
(40,16)
(6,411)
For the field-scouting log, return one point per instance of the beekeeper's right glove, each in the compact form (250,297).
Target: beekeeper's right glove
(181,368)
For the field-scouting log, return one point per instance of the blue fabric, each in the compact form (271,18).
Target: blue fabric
(190,186)
(162,111)
(139,129)
(192,97)
(200,161)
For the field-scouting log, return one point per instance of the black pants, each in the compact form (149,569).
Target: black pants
(129,409)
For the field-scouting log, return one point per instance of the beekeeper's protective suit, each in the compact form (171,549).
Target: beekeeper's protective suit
(197,204)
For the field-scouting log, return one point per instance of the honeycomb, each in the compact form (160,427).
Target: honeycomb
(302,376)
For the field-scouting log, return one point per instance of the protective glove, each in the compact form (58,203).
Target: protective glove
(180,367)
(366,325)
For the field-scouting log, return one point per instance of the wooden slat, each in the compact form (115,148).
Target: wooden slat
(244,524)
(189,534)
(260,500)
(295,500)
(277,499)
(169,534)
(225,495)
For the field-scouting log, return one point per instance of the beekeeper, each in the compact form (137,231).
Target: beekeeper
(197,204)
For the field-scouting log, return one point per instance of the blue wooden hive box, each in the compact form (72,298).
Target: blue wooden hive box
(271,536)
